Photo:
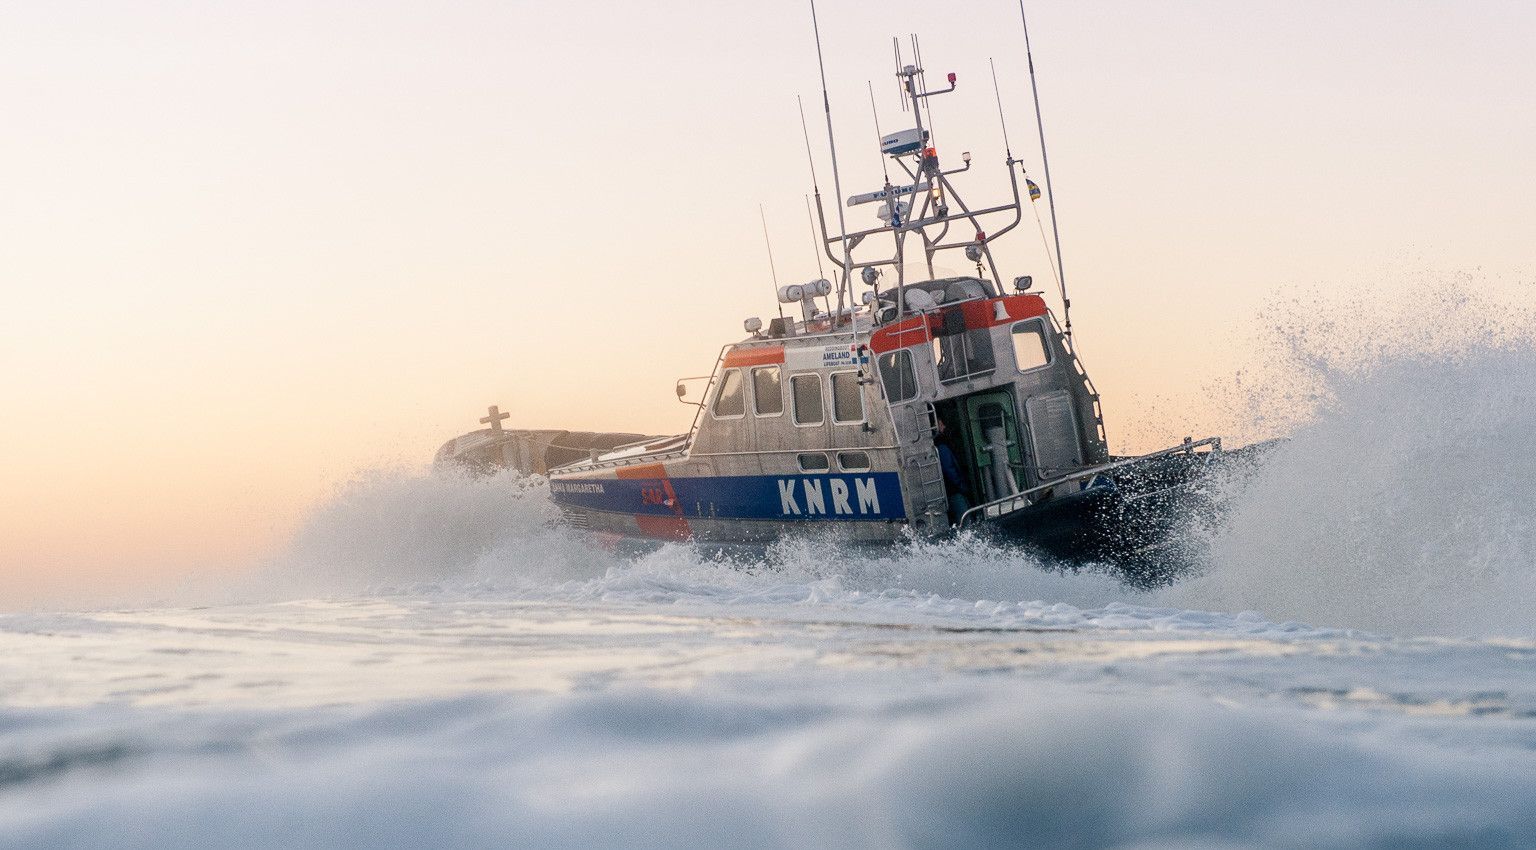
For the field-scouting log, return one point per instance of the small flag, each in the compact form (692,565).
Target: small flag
(1034,191)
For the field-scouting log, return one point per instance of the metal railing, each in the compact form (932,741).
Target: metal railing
(1018,501)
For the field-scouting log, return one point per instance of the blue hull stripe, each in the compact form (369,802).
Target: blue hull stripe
(868,496)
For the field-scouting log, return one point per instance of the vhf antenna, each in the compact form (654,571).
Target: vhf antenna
(816,187)
(1034,90)
(837,186)
(771,270)
(815,248)
(922,81)
(1045,243)
(873,110)
(997,93)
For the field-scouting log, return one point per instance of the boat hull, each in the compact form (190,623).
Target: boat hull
(1149,520)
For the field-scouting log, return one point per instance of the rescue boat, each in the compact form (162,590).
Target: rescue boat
(930,406)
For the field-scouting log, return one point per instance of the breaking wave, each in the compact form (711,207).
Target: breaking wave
(1404,502)
(393,531)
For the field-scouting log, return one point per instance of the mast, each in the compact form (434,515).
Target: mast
(925,202)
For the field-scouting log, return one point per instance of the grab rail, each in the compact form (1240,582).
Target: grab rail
(1023,498)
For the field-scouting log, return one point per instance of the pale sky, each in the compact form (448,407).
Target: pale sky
(249,249)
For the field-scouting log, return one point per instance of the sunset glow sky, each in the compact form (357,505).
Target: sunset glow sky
(249,249)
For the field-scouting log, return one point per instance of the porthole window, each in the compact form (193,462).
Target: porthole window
(853,461)
(813,462)
(805,391)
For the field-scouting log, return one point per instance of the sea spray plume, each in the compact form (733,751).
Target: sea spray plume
(1303,341)
(1403,502)
(392,528)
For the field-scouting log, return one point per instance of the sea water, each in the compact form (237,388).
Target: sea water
(435,661)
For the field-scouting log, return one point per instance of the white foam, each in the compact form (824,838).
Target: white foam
(1405,503)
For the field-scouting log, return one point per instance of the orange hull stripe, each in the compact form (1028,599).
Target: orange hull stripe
(664,527)
(650,470)
(673,527)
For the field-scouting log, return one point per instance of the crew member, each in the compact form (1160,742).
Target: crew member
(955,486)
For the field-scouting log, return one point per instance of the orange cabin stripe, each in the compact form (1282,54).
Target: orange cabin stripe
(978,314)
(764,356)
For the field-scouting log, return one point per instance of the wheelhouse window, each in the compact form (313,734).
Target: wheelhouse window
(847,398)
(962,355)
(812,462)
(767,391)
(853,461)
(897,375)
(805,391)
(1029,346)
(730,402)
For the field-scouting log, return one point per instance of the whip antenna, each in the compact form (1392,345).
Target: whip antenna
(1000,119)
(922,80)
(873,110)
(837,186)
(1034,90)
(808,157)
(815,248)
(815,187)
(771,270)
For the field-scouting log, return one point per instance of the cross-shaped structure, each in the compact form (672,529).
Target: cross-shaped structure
(494,417)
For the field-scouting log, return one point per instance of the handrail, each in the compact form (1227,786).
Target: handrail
(632,460)
(1187,447)
(822,450)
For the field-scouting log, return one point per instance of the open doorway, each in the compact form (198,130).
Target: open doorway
(984,433)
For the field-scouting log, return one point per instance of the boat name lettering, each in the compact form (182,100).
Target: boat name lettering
(835,498)
(825,357)
(575,487)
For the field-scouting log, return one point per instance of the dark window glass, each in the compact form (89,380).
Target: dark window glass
(729,401)
(847,399)
(1029,349)
(978,351)
(767,393)
(853,461)
(897,375)
(813,462)
(806,390)
(964,355)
